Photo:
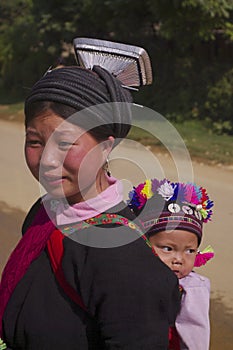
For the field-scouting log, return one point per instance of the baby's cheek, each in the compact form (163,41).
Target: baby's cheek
(188,269)
(165,259)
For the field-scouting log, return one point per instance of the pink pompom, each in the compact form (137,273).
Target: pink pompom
(202,258)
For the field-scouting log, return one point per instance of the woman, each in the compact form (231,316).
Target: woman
(80,278)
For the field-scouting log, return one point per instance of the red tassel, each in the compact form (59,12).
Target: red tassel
(202,258)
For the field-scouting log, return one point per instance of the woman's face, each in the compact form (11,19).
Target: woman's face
(66,160)
(177,249)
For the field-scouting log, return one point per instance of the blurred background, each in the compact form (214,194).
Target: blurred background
(190,43)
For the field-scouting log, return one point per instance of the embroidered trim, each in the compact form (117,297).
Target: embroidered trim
(150,223)
(104,219)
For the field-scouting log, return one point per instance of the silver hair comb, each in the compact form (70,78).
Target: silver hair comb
(130,64)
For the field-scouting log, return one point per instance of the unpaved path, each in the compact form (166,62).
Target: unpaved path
(132,163)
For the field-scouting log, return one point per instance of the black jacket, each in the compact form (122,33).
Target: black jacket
(131,296)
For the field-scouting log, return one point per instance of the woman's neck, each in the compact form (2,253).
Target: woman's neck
(100,185)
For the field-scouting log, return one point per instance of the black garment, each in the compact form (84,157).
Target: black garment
(131,296)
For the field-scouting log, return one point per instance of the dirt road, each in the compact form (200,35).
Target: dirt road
(132,162)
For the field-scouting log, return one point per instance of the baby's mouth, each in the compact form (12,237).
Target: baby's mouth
(177,272)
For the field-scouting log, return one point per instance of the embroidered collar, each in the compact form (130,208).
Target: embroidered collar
(68,214)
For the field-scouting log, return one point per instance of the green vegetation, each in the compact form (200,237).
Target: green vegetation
(202,144)
(12,112)
(190,43)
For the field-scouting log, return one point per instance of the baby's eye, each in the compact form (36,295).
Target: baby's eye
(191,251)
(166,249)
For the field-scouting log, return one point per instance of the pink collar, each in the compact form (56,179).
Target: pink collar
(66,214)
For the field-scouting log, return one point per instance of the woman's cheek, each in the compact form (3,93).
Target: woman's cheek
(73,159)
(82,160)
(32,157)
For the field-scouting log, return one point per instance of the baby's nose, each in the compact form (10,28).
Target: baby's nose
(178,258)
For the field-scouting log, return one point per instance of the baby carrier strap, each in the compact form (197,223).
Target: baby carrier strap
(55,251)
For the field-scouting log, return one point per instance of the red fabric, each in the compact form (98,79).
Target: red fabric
(174,340)
(27,250)
(55,250)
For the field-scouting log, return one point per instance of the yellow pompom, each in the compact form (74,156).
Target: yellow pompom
(147,189)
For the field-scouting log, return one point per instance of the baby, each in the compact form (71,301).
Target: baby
(172,215)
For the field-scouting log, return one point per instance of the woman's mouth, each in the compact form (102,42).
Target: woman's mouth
(53,180)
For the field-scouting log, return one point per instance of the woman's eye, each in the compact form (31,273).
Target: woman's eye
(65,144)
(33,143)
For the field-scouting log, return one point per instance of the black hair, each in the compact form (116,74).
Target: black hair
(68,90)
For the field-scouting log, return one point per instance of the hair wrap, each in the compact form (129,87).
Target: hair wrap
(81,88)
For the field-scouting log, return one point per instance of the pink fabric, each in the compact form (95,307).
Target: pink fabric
(28,249)
(110,197)
(192,323)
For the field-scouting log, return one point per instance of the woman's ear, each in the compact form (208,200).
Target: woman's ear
(107,146)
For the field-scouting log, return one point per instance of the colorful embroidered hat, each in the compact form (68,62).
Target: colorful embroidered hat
(162,205)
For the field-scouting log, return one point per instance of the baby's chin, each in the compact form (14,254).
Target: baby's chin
(179,274)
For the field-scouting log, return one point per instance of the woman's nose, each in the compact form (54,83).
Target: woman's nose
(50,156)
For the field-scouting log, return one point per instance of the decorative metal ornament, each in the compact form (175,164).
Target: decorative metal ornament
(130,64)
(187,210)
(198,214)
(106,168)
(198,207)
(53,205)
(173,208)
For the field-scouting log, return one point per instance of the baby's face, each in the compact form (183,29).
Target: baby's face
(177,249)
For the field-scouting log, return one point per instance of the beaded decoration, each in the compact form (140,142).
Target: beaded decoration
(195,199)
(104,219)
(184,203)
